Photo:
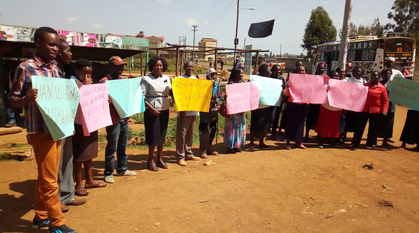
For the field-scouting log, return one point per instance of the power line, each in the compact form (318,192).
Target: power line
(288,8)
(202,19)
(213,15)
(220,18)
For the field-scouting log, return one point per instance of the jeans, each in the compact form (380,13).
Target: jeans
(117,136)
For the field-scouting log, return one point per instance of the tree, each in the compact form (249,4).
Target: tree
(405,15)
(375,29)
(319,29)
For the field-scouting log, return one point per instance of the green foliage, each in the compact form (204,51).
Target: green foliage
(19,145)
(375,29)
(5,156)
(138,118)
(101,137)
(406,16)
(319,29)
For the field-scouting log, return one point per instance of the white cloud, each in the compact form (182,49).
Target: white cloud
(72,19)
(165,1)
(191,21)
(98,26)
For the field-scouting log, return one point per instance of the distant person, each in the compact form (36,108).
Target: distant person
(277,73)
(156,89)
(296,115)
(222,64)
(390,65)
(210,64)
(351,117)
(116,134)
(65,174)
(235,124)
(328,124)
(314,109)
(261,118)
(185,126)
(387,122)
(85,148)
(376,106)
(208,120)
(297,64)
(47,151)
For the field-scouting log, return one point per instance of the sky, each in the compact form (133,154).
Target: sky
(172,19)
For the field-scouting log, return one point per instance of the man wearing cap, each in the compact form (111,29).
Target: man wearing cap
(395,72)
(185,126)
(208,120)
(116,134)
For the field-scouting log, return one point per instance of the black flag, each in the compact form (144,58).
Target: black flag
(262,29)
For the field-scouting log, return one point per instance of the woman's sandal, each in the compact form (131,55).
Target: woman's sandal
(152,167)
(288,146)
(81,192)
(97,185)
(161,165)
(212,152)
(301,146)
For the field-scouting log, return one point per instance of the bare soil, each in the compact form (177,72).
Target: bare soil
(312,190)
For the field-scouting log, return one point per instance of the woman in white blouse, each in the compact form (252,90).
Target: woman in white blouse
(156,88)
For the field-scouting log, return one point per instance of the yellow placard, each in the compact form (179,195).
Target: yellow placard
(192,94)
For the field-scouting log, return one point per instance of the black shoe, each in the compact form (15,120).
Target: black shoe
(238,150)
(231,151)
(61,229)
(39,224)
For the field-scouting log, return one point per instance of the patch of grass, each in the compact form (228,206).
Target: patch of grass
(19,145)
(135,133)
(101,137)
(5,156)
(138,118)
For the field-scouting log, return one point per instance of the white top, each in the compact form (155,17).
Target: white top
(156,91)
(189,113)
(395,73)
(360,81)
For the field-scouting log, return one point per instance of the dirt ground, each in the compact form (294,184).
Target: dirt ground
(312,190)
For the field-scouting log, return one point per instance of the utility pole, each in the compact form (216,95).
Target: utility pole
(344,40)
(194,30)
(280,50)
(236,40)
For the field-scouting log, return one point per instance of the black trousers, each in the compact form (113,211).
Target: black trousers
(361,122)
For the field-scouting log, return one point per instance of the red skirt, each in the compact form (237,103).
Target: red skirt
(328,124)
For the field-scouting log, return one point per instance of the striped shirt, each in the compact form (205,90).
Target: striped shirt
(23,83)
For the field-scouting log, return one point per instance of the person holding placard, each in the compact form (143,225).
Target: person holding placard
(235,124)
(208,120)
(116,134)
(387,122)
(262,117)
(156,89)
(277,73)
(296,115)
(328,124)
(351,117)
(375,108)
(85,149)
(47,151)
(186,126)
(65,174)
(314,109)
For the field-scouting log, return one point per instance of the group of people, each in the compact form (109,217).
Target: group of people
(60,162)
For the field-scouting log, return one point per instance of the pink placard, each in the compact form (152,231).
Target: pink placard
(348,96)
(307,88)
(94,108)
(242,97)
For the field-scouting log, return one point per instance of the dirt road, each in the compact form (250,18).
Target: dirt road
(312,190)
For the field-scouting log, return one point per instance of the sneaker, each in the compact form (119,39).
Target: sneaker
(251,146)
(128,173)
(192,158)
(370,147)
(181,162)
(320,146)
(61,229)
(231,151)
(109,179)
(238,150)
(39,224)
(10,124)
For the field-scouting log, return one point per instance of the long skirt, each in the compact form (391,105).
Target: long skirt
(155,127)
(386,126)
(84,148)
(410,133)
(235,130)
(296,116)
(261,119)
(328,124)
